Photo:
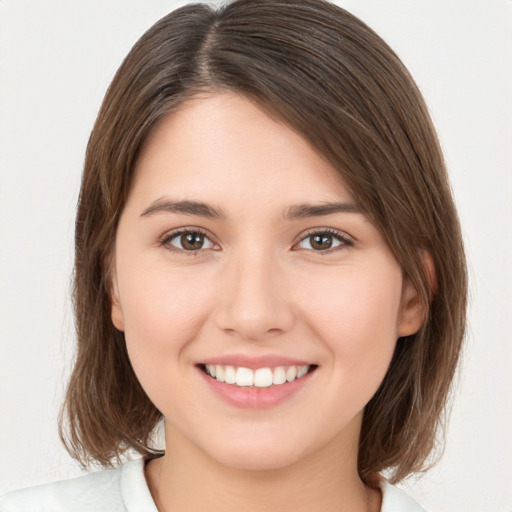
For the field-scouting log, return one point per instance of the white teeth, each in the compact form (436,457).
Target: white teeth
(301,371)
(260,378)
(263,377)
(244,377)
(291,373)
(279,376)
(219,372)
(230,375)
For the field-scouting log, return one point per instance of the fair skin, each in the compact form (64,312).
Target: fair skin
(257,283)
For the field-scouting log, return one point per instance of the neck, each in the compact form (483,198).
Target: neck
(188,479)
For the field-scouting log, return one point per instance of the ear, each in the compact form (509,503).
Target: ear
(413,312)
(116,311)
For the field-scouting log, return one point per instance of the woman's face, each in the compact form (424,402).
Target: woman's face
(240,253)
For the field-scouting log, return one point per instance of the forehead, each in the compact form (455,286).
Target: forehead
(226,146)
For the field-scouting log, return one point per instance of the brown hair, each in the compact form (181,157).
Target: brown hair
(331,78)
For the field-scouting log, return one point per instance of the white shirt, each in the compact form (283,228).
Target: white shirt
(124,489)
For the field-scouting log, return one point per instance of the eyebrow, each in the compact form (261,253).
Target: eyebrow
(303,211)
(163,205)
(295,212)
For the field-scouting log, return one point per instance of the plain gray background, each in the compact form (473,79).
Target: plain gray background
(56,60)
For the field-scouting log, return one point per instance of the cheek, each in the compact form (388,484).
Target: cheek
(162,311)
(354,302)
(355,313)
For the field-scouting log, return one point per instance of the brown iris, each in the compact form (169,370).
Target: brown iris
(321,241)
(192,241)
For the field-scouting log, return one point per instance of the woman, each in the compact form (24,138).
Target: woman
(267,256)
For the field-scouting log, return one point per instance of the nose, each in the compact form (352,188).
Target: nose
(254,301)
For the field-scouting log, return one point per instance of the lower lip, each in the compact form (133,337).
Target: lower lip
(252,397)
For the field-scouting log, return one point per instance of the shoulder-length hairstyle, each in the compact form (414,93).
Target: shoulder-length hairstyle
(328,76)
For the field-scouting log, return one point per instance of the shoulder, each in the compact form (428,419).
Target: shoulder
(123,489)
(396,500)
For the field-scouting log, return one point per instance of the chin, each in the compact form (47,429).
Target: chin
(265,455)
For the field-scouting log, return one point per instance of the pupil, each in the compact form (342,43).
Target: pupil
(192,241)
(322,241)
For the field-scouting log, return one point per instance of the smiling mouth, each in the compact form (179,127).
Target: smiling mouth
(258,378)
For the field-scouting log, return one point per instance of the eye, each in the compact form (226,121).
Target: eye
(187,240)
(324,241)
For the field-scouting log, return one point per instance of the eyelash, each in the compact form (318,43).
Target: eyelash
(168,238)
(339,236)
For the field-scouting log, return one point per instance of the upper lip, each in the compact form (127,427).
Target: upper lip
(254,362)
